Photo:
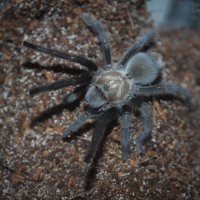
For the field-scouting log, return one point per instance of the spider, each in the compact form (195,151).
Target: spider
(114,90)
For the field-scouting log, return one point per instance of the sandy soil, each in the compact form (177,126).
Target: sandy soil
(35,163)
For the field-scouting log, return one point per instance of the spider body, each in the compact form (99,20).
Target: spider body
(115,89)
(111,87)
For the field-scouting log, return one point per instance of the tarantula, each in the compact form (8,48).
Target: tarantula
(115,89)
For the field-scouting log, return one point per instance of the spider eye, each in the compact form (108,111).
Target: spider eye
(106,88)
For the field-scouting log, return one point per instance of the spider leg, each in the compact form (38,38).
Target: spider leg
(61,83)
(125,121)
(96,27)
(168,88)
(70,57)
(98,134)
(75,95)
(78,122)
(139,45)
(147,128)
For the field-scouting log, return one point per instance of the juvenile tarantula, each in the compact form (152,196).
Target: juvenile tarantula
(114,89)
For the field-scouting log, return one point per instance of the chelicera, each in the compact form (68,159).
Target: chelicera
(114,89)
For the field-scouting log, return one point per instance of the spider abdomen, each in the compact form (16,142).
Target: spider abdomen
(143,68)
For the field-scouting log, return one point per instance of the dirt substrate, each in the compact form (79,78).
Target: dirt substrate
(35,163)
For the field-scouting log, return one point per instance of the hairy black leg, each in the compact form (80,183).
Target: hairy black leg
(98,134)
(75,95)
(76,124)
(96,27)
(147,128)
(70,57)
(168,88)
(86,77)
(139,45)
(125,121)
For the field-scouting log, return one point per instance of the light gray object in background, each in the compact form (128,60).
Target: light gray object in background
(175,13)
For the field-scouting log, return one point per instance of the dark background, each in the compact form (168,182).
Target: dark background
(36,162)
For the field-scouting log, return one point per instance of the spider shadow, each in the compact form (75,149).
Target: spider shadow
(54,68)
(48,113)
(170,98)
(92,170)
(57,109)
